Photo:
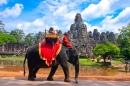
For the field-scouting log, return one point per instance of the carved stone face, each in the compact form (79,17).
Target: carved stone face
(78,18)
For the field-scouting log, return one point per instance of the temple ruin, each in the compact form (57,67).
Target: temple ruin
(85,41)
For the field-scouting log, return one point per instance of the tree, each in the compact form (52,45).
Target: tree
(7,38)
(124,41)
(29,39)
(116,35)
(18,34)
(2,27)
(105,49)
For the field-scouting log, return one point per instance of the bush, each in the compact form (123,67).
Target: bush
(98,59)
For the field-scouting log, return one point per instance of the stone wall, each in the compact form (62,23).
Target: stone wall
(13,48)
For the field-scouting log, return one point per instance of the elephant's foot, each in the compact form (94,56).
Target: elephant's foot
(34,76)
(31,78)
(76,80)
(66,80)
(50,79)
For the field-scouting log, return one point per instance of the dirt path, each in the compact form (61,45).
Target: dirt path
(104,78)
(84,74)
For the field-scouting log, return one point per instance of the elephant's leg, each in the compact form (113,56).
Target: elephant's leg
(35,71)
(66,71)
(52,72)
(30,75)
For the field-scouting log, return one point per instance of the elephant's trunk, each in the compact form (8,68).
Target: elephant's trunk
(76,71)
(74,59)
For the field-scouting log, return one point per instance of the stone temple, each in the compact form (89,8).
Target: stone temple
(83,40)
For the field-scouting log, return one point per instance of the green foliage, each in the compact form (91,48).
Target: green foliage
(13,58)
(98,59)
(29,39)
(124,41)
(6,38)
(2,27)
(119,60)
(116,35)
(18,34)
(105,49)
(88,62)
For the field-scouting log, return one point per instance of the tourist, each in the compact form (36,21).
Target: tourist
(66,41)
(126,67)
(51,30)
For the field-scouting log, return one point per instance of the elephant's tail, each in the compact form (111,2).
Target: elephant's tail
(24,64)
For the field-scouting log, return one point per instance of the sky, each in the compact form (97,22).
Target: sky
(33,16)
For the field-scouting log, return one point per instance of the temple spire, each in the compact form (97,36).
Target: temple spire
(78,18)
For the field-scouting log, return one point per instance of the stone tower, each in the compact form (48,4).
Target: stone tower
(85,41)
(79,33)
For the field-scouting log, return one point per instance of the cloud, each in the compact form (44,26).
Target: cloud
(98,10)
(35,26)
(14,11)
(123,16)
(31,25)
(56,14)
(3,2)
(120,4)
(113,24)
(62,10)
(23,26)
(91,28)
(61,14)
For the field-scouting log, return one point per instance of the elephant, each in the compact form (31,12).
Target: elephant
(34,63)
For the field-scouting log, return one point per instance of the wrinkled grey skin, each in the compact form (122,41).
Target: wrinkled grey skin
(35,63)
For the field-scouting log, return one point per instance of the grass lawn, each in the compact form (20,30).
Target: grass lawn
(88,62)
(118,61)
(83,61)
(12,58)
